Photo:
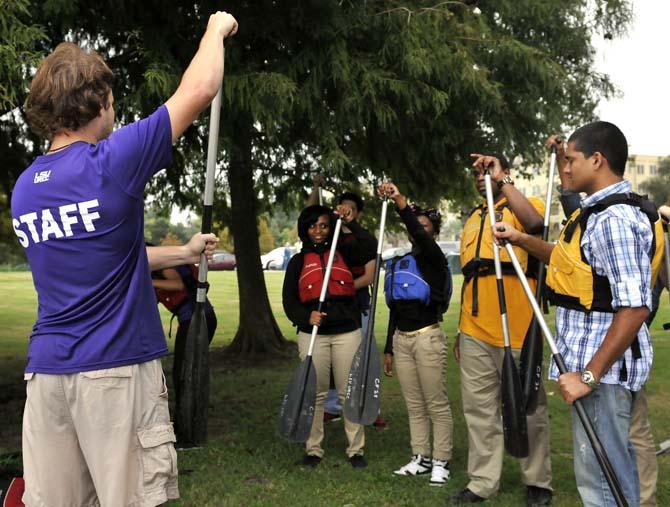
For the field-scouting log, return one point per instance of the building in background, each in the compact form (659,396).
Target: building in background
(534,184)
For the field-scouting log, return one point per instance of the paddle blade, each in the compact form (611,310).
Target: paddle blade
(530,366)
(297,409)
(362,399)
(515,430)
(191,413)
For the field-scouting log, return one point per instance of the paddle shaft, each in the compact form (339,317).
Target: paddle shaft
(598,448)
(326,279)
(542,267)
(531,354)
(208,196)
(369,329)
(496,261)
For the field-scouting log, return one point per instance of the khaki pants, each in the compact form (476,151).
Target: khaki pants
(99,438)
(645,449)
(481,372)
(421,363)
(334,351)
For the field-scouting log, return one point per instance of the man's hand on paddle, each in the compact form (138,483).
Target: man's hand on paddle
(199,243)
(571,386)
(487,162)
(504,232)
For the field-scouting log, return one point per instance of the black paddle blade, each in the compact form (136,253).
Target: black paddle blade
(191,413)
(530,366)
(297,409)
(362,399)
(515,429)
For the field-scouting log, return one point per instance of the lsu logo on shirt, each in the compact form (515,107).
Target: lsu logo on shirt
(57,223)
(42,176)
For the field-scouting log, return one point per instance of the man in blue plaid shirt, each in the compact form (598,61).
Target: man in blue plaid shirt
(608,353)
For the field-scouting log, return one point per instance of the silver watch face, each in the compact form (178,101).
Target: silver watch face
(587,377)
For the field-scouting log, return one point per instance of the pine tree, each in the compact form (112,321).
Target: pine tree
(355,89)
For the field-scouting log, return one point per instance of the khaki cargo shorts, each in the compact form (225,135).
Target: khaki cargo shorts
(99,438)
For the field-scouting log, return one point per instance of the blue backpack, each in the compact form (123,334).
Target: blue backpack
(403,281)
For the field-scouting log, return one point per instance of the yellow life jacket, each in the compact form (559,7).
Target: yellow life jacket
(477,256)
(571,283)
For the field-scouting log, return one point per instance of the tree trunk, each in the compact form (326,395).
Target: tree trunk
(258,333)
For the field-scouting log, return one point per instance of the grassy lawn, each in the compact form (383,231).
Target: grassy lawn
(245,464)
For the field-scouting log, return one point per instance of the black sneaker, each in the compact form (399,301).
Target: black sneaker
(310,460)
(465,496)
(358,461)
(536,496)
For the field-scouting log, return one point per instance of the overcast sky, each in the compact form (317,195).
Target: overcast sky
(638,65)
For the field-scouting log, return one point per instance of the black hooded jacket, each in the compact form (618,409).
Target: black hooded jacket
(343,314)
(412,315)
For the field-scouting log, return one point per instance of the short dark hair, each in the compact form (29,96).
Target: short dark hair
(605,138)
(504,162)
(351,196)
(69,89)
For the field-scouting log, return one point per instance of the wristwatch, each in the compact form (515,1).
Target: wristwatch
(589,379)
(505,181)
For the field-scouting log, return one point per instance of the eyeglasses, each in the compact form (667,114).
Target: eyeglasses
(319,225)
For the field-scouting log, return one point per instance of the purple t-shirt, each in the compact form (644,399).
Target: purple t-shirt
(79,214)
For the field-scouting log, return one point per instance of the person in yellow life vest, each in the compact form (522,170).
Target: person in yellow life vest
(640,433)
(600,275)
(479,347)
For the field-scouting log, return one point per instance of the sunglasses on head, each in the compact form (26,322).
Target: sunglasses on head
(433,214)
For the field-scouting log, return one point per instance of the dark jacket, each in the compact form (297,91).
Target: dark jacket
(413,315)
(343,314)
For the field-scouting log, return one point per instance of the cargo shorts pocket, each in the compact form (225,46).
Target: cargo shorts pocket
(159,458)
(109,377)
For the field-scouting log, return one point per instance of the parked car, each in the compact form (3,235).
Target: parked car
(222,261)
(277,258)
(397,251)
(449,248)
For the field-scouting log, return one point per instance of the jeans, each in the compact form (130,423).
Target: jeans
(609,407)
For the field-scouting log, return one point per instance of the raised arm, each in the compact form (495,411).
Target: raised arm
(529,217)
(502,231)
(314,197)
(202,79)
(414,228)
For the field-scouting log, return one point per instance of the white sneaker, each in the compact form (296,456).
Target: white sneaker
(418,466)
(439,474)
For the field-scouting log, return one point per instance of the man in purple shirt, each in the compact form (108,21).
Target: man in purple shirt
(96,427)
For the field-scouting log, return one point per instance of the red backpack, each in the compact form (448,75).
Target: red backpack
(172,299)
(341,283)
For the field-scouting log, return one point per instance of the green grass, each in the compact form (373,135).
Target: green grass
(245,464)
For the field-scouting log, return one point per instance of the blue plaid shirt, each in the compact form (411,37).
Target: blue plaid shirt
(616,243)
